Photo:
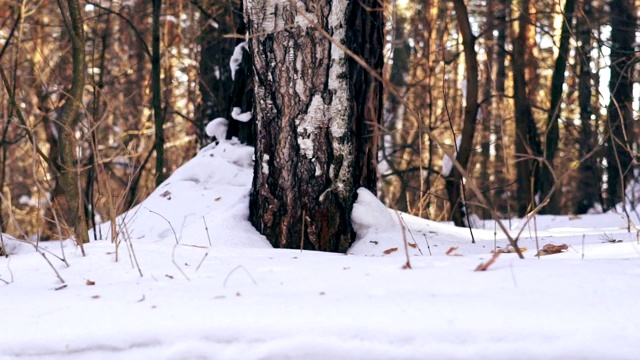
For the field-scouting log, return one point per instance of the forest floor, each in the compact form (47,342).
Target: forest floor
(192,279)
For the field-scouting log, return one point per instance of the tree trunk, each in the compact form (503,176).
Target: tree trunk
(526,139)
(620,126)
(588,187)
(156,100)
(500,164)
(553,130)
(487,101)
(454,179)
(69,177)
(317,113)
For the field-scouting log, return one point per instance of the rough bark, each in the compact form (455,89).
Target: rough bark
(454,179)
(69,177)
(316,114)
(547,179)
(620,125)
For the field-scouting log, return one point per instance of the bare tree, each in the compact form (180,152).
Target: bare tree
(528,147)
(454,179)
(620,124)
(69,179)
(547,179)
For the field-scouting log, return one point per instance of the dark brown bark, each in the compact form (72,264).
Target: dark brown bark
(547,179)
(500,165)
(156,88)
(620,125)
(526,139)
(588,186)
(454,179)
(316,114)
(487,101)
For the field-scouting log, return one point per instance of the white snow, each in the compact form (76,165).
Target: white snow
(217,127)
(236,58)
(217,290)
(239,115)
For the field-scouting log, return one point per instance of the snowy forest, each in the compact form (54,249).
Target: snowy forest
(102,101)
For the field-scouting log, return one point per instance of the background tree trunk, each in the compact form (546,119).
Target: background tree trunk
(156,96)
(316,116)
(69,177)
(454,179)
(527,142)
(547,179)
(588,186)
(620,124)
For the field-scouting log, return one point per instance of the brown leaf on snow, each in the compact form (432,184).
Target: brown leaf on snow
(413,245)
(389,251)
(508,250)
(550,249)
(451,250)
(90,282)
(218,198)
(485,266)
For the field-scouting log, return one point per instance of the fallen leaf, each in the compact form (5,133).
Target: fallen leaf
(90,282)
(95,297)
(389,251)
(218,198)
(551,249)
(169,276)
(485,266)
(413,245)
(508,250)
(166,193)
(451,250)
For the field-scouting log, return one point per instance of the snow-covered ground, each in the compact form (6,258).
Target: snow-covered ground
(194,280)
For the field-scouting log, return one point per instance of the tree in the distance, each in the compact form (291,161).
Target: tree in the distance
(620,124)
(317,110)
(68,117)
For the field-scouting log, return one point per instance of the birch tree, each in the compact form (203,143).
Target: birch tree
(317,108)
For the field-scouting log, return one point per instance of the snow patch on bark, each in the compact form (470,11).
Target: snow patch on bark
(236,58)
(218,128)
(265,164)
(307,125)
(240,116)
(447,163)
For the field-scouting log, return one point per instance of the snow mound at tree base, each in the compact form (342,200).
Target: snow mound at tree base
(206,199)
(377,232)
